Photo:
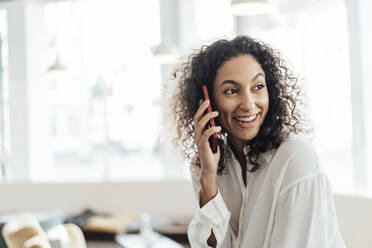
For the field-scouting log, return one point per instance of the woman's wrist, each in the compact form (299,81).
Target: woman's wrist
(208,178)
(208,189)
(208,174)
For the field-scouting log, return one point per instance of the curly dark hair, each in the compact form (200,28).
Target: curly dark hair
(286,97)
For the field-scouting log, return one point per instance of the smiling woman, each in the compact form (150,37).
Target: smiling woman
(212,66)
(285,200)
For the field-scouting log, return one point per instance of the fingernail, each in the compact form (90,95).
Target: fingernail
(206,102)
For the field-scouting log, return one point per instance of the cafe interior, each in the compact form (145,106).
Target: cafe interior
(85,155)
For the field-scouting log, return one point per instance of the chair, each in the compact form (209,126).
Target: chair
(25,232)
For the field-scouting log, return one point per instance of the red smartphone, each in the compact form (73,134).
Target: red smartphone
(212,139)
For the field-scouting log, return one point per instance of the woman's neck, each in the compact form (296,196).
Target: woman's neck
(237,147)
(238,150)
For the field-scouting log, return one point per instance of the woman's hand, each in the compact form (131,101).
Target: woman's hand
(208,159)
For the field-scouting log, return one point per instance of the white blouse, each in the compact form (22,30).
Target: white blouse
(288,202)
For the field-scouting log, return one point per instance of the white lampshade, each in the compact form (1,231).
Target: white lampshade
(250,7)
(57,66)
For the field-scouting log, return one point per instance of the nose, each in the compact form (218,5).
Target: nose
(247,102)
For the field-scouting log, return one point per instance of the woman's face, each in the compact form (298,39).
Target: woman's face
(241,97)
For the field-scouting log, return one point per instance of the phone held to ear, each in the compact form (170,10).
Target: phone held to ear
(212,139)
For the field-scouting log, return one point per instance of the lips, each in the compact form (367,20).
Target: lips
(246,119)
(246,124)
(247,115)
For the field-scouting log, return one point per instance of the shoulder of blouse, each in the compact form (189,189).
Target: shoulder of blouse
(298,158)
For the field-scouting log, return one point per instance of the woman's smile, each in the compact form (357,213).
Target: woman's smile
(247,122)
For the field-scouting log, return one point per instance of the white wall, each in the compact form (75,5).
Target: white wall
(163,197)
(354,216)
(173,198)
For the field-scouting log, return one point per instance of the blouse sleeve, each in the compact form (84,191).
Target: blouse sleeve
(305,215)
(214,215)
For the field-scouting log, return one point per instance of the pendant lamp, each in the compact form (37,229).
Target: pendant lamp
(57,66)
(250,7)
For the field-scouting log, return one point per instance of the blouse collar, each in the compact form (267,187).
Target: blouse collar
(230,155)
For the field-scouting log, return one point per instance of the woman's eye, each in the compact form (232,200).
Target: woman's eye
(260,86)
(230,91)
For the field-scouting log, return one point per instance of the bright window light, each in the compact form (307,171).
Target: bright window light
(105,110)
(323,61)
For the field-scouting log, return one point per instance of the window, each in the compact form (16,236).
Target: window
(99,108)
(315,41)
(104,108)
(4,96)
(213,24)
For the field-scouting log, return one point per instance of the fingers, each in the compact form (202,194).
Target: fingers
(201,110)
(203,121)
(203,142)
(198,132)
(200,121)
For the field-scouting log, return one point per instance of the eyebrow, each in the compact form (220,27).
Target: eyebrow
(237,84)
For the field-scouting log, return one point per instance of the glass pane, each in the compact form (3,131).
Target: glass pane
(322,59)
(213,24)
(4,98)
(105,105)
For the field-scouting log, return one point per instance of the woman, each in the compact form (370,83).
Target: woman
(265,186)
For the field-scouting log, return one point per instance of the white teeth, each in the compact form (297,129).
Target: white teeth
(246,118)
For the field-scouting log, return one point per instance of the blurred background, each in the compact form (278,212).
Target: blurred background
(81,100)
